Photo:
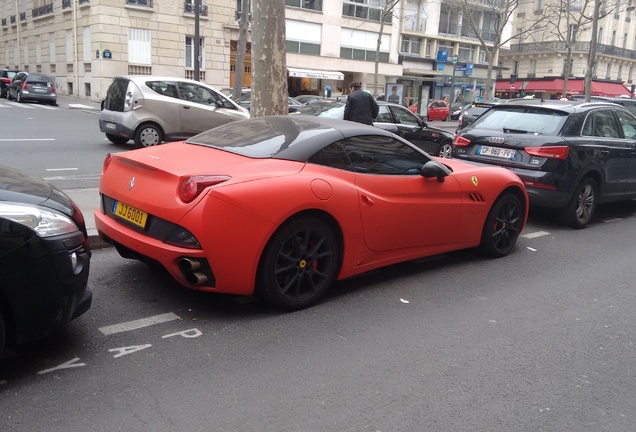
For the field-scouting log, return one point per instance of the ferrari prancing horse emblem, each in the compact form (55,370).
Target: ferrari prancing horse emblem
(475,181)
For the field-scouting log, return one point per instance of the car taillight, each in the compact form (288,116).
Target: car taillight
(24,85)
(6,80)
(191,187)
(550,152)
(107,161)
(52,88)
(460,141)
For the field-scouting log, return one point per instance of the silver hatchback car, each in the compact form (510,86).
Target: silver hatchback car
(150,109)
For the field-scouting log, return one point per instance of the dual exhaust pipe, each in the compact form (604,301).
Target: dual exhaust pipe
(189,267)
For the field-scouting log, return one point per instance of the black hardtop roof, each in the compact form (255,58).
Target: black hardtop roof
(570,106)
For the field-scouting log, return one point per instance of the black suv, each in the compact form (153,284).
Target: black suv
(629,104)
(571,155)
(6,75)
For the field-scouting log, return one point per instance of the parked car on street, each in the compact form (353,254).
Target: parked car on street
(44,258)
(281,206)
(470,113)
(6,75)
(571,155)
(628,103)
(457,108)
(31,87)
(437,110)
(394,118)
(245,102)
(150,109)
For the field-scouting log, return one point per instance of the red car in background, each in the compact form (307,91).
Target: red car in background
(437,110)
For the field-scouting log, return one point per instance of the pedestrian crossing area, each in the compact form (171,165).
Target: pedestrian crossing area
(27,105)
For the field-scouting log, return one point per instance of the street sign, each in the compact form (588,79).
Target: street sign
(455,58)
(512,86)
(460,68)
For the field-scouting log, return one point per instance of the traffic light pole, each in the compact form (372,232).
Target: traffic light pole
(452,92)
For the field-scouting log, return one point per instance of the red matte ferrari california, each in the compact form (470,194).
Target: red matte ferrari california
(282,206)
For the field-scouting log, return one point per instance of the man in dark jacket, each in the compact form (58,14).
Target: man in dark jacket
(360,107)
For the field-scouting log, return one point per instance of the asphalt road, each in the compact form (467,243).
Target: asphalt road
(541,340)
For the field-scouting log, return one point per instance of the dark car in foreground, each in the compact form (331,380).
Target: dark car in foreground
(571,155)
(6,75)
(394,118)
(44,258)
(32,87)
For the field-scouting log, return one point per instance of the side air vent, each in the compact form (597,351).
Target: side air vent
(474,196)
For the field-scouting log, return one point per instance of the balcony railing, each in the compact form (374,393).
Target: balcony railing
(42,10)
(188,8)
(561,47)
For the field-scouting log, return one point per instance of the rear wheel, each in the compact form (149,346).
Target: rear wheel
(445,150)
(148,135)
(578,213)
(8,95)
(503,226)
(19,97)
(116,139)
(298,264)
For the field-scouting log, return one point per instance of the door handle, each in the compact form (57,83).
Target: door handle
(366,200)
(605,152)
(186,107)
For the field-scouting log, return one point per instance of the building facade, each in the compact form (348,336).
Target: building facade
(539,60)
(83,44)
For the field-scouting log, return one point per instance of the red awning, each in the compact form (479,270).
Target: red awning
(576,86)
(502,86)
(609,89)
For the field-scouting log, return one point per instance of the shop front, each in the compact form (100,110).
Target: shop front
(314,82)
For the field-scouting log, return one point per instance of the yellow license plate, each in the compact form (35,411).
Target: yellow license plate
(130,214)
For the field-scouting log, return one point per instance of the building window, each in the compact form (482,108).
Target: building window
(613,38)
(188,7)
(619,75)
(489,27)
(189,52)
(572,33)
(303,47)
(69,46)
(361,54)
(428,47)
(567,70)
(86,44)
(533,68)
(448,20)
(411,45)
(371,10)
(600,35)
(305,4)
(608,73)
(139,46)
(466,53)
(52,47)
(515,68)
(625,41)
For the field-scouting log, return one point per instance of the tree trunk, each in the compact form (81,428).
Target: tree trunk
(591,59)
(269,68)
(241,45)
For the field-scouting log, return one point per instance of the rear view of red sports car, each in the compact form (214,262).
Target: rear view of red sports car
(283,206)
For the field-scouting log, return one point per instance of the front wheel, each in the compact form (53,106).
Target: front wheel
(298,264)
(148,135)
(503,226)
(578,213)
(116,139)
(445,150)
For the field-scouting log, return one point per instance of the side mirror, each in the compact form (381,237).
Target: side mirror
(435,169)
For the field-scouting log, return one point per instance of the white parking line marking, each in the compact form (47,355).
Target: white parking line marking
(535,234)
(62,169)
(612,220)
(137,324)
(27,139)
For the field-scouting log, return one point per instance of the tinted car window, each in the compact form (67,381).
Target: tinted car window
(115,96)
(164,88)
(601,124)
(383,155)
(384,116)
(404,116)
(332,156)
(628,123)
(196,94)
(522,120)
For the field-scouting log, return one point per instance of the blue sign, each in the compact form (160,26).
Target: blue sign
(442,56)
(107,54)
(460,68)
(440,66)
(469,69)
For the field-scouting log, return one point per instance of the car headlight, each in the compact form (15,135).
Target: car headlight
(44,221)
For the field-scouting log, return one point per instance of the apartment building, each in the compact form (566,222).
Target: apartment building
(539,60)
(330,43)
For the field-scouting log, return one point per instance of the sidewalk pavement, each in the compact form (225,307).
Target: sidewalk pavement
(88,199)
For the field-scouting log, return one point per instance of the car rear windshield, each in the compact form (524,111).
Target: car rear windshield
(38,79)
(533,120)
(116,95)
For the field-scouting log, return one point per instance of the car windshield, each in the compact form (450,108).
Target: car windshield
(522,120)
(332,109)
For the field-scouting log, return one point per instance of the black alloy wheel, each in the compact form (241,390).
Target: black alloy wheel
(298,264)
(578,213)
(503,226)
